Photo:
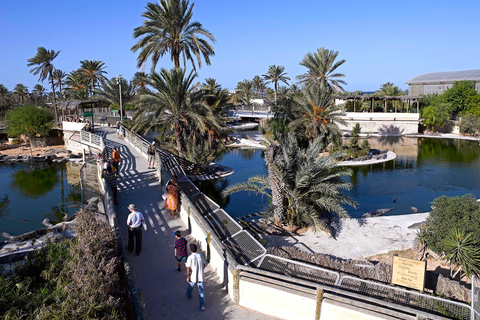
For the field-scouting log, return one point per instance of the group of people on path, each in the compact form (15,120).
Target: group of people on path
(110,171)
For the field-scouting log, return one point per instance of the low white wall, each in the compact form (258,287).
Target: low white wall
(387,123)
(277,301)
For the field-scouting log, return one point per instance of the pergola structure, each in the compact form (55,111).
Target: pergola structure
(78,104)
(355,98)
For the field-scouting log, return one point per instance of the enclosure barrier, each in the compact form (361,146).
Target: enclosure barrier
(281,287)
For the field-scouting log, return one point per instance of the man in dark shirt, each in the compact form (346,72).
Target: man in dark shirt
(180,249)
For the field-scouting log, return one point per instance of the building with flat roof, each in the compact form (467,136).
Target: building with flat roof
(438,82)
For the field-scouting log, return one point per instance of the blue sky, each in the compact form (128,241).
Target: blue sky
(380,40)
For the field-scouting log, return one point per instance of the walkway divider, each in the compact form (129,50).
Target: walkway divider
(273,285)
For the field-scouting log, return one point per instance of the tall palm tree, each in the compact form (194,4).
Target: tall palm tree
(321,70)
(20,91)
(93,71)
(44,67)
(317,115)
(59,79)
(110,91)
(275,75)
(175,105)
(168,28)
(245,91)
(216,99)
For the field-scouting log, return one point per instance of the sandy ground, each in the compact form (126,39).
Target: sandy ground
(23,149)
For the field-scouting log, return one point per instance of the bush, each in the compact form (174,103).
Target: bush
(460,213)
(75,279)
(470,124)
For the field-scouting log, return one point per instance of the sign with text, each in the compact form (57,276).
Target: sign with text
(88,114)
(409,273)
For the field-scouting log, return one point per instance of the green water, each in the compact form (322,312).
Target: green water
(425,168)
(31,192)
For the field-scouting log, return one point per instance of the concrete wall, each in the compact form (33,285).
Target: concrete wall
(387,123)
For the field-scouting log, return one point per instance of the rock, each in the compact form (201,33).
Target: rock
(94,200)
(417,225)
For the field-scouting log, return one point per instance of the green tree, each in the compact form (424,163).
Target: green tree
(258,85)
(38,93)
(436,114)
(77,85)
(305,188)
(321,70)
(175,105)
(94,73)
(43,60)
(389,89)
(215,121)
(245,91)
(168,28)
(5,99)
(316,115)
(459,94)
(59,80)
(110,92)
(462,253)
(276,74)
(21,93)
(29,121)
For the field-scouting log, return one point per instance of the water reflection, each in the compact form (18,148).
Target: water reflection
(36,182)
(213,189)
(4,205)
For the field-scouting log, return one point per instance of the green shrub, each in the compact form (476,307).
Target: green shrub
(461,213)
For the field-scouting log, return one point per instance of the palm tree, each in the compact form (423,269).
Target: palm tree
(38,93)
(216,99)
(93,71)
(275,75)
(59,79)
(389,89)
(77,85)
(110,91)
(258,85)
(175,105)
(245,91)
(305,188)
(168,28)
(462,253)
(21,93)
(5,100)
(44,67)
(321,70)
(317,115)
(140,80)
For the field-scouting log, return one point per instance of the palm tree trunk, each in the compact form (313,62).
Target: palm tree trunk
(275,93)
(176,60)
(179,144)
(275,183)
(54,99)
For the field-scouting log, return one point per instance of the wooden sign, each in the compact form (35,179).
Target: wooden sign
(409,273)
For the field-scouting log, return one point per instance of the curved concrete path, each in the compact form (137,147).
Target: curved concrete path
(160,285)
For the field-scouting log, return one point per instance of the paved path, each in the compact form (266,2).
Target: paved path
(160,285)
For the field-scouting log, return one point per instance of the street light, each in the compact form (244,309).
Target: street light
(119,82)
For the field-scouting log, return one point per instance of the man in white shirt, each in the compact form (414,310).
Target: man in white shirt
(195,265)
(134,221)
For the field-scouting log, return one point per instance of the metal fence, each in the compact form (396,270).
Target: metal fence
(475,298)
(407,298)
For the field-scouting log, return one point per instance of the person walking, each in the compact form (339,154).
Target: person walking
(116,159)
(151,155)
(118,129)
(111,178)
(171,202)
(121,132)
(134,221)
(180,249)
(195,265)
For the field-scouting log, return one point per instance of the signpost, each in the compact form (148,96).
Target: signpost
(409,273)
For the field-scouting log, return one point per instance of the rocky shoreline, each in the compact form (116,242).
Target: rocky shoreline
(57,156)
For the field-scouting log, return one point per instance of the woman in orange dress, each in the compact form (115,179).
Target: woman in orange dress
(172,196)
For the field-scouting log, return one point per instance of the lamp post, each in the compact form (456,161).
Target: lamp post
(119,79)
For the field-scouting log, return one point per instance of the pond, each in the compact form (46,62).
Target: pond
(31,192)
(425,168)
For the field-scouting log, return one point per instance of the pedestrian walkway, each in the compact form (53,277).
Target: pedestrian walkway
(161,287)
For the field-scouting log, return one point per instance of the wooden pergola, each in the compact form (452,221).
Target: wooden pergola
(355,98)
(78,104)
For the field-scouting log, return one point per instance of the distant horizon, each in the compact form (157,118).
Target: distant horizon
(381,42)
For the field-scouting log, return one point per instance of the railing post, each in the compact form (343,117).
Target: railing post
(472,307)
(319,303)
(236,286)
